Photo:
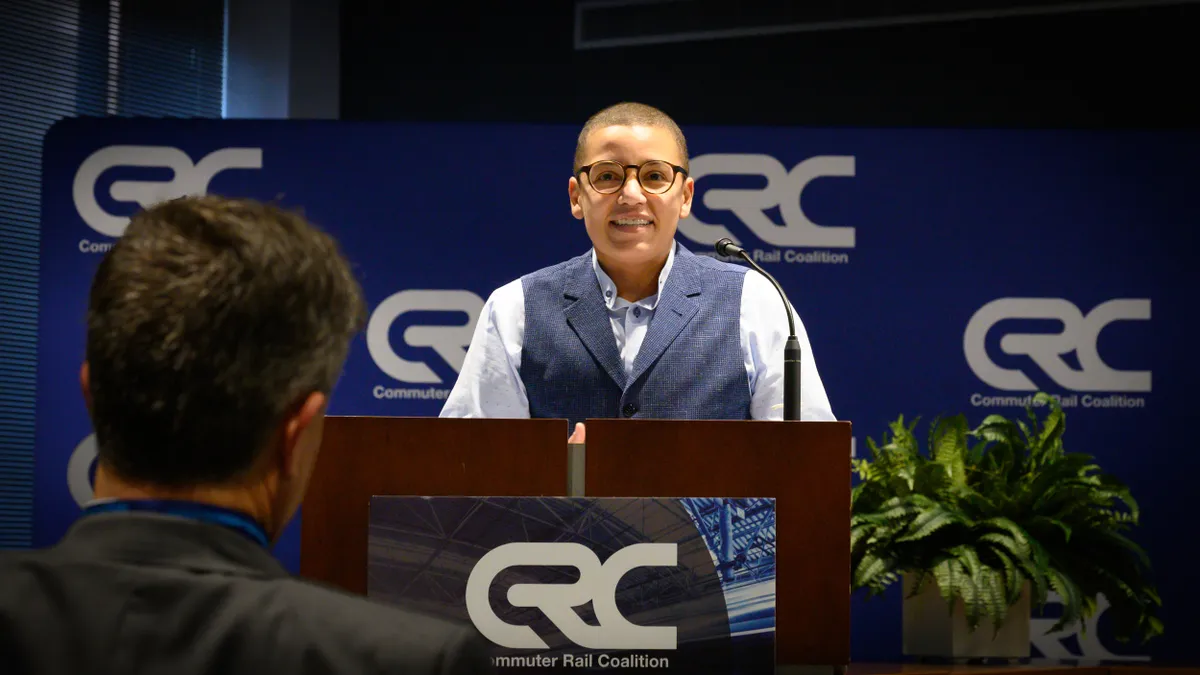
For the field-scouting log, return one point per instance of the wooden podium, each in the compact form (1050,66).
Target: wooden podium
(804,465)
(366,456)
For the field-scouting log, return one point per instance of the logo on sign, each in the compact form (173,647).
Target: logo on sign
(1085,635)
(597,583)
(189,179)
(1080,335)
(748,206)
(79,470)
(448,342)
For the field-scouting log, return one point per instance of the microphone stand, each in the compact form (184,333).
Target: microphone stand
(791,350)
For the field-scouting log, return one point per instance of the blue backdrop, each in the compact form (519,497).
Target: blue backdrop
(937,271)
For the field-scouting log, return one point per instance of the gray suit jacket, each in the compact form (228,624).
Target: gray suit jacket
(148,593)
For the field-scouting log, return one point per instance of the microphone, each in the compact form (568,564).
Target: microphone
(791,350)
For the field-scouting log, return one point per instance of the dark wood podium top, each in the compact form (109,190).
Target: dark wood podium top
(1017,669)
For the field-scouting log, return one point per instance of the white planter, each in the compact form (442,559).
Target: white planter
(931,630)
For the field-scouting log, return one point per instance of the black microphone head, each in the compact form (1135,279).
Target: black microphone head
(726,247)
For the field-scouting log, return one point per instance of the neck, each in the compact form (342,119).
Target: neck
(253,499)
(634,282)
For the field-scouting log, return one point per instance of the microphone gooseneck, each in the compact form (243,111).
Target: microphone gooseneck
(728,249)
(791,350)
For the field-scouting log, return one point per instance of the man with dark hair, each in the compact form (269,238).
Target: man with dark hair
(216,329)
(638,326)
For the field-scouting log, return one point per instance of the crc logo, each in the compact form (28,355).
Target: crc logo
(597,583)
(450,342)
(784,189)
(1087,636)
(79,470)
(1079,334)
(190,179)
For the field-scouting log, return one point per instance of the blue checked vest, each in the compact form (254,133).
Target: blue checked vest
(690,365)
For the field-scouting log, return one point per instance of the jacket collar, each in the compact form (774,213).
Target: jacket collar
(586,310)
(154,539)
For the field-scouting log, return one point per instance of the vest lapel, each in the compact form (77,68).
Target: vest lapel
(675,309)
(587,315)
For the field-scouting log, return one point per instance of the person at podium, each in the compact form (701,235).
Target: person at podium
(638,326)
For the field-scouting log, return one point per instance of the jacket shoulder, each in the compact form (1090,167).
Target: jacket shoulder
(555,271)
(357,628)
(711,268)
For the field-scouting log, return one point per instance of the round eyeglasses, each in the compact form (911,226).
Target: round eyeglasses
(655,177)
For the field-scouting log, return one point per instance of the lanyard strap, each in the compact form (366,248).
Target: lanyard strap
(208,513)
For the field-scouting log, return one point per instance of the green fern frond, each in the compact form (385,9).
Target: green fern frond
(1044,523)
(859,534)
(929,522)
(1014,576)
(1073,601)
(1027,436)
(949,574)
(1039,580)
(1004,543)
(1020,537)
(948,441)
(986,511)
(992,597)
(996,429)
(1053,428)
(931,480)
(868,570)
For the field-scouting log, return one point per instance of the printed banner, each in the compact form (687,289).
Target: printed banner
(561,584)
(936,272)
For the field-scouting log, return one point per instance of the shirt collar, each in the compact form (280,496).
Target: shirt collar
(609,289)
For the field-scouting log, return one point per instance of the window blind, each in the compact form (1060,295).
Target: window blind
(64,58)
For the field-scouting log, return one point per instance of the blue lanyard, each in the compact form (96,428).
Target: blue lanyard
(208,513)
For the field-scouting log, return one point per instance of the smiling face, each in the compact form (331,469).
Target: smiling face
(631,228)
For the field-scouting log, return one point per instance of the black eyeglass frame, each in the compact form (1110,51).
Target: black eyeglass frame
(586,170)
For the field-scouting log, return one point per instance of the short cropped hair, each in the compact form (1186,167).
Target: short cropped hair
(630,114)
(207,320)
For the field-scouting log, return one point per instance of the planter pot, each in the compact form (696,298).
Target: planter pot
(932,631)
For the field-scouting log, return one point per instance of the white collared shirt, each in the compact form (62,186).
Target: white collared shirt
(490,384)
(630,320)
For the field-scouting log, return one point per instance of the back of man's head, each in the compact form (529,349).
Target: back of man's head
(208,321)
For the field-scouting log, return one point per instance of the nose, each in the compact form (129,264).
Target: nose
(631,192)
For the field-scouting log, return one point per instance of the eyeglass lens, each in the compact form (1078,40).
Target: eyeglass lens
(654,176)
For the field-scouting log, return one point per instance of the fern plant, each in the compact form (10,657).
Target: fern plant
(990,509)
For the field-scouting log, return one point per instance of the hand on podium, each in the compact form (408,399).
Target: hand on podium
(577,435)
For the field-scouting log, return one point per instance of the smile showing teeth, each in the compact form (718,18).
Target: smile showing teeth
(631,222)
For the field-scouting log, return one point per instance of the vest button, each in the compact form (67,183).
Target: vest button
(629,410)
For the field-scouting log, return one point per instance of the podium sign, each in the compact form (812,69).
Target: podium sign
(578,584)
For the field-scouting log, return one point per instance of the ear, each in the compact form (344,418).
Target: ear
(301,424)
(689,190)
(85,384)
(575,192)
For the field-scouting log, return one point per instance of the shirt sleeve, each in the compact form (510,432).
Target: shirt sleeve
(489,384)
(764,333)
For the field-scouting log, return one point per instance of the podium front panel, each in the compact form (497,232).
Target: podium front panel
(805,466)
